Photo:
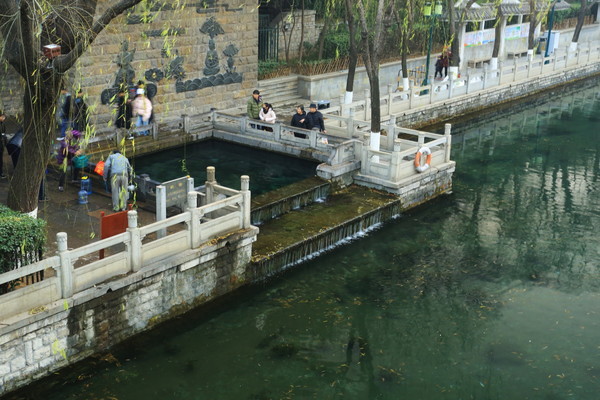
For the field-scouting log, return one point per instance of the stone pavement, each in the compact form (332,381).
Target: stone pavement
(63,213)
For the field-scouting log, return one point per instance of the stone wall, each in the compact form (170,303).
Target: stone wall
(33,346)
(185,33)
(312,29)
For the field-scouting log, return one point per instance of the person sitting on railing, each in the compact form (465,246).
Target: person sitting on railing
(314,119)
(142,109)
(118,169)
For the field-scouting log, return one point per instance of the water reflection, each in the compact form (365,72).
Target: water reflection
(491,293)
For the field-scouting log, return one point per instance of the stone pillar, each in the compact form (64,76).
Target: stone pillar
(194,225)
(246,203)
(161,208)
(448,146)
(210,182)
(185,123)
(66,266)
(135,241)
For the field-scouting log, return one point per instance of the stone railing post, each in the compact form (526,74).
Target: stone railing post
(467,83)
(154,130)
(161,209)
(367,105)
(485,78)
(194,225)
(450,86)
(213,116)
(343,106)
(246,203)
(578,54)
(395,162)
(420,141)
(500,72)
(312,139)
(554,61)
(448,146)
(411,92)
(516,67)
(277,131)
(389,98)
(529,64)
(185,123)
(243,124)
(350,124)
(431,92)
(135,241)
(210,182)
(66,266)
(391,131)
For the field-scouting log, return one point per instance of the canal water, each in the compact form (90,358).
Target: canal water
(492,292)
(268,171)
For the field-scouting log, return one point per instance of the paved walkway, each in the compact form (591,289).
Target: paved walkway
(63,213)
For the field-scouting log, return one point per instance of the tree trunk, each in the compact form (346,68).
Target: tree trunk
(533,22)
(580,20)
(39,128)
(322,37)
(375,99)
(353,53)
(498,37)
(301,45)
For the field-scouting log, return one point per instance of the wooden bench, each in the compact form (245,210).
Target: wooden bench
(477,62)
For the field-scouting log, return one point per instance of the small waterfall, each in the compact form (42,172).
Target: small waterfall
(324,241)
(292,202)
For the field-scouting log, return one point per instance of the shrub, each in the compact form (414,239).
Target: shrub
(22,239)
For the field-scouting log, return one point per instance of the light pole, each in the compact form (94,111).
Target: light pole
(437,11)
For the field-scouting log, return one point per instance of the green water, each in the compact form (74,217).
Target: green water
(490,293)
(268,171)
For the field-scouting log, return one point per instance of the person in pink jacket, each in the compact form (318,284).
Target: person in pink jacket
(141,110)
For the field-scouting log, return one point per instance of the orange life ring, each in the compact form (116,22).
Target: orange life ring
(423,150)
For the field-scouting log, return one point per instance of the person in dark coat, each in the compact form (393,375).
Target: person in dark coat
(80,113)
(124,111)
(299,119)
(314,119)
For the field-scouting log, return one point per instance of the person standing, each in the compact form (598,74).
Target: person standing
(299,119)
(446,57)
(254,106)
(142,110)
(68,147)
(118,169)
(80,113)
(63,111)
(314,119)
(2,143)
(123,110)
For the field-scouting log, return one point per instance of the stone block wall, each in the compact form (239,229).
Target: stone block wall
(179,31)
(34,346)
(312,30)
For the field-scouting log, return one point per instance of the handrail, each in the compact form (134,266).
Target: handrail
(228,202)
(99,245)
(52,262)
(165,223)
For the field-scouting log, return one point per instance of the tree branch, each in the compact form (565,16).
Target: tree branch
(10,26)
(63,63)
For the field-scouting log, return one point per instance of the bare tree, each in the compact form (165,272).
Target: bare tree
(580,20)
(27,25)
(352,53)
(372,42)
